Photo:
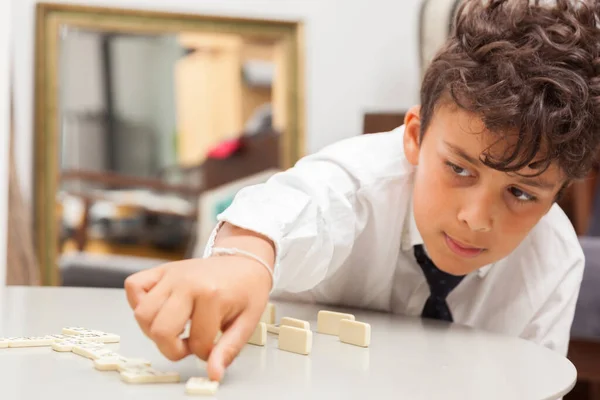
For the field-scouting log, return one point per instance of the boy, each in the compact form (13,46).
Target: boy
(451,216)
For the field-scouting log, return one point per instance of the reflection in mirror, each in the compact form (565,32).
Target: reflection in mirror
(153,128)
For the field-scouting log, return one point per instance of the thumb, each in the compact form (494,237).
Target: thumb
(230,344)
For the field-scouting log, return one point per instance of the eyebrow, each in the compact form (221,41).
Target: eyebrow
(462,154)
(536,182)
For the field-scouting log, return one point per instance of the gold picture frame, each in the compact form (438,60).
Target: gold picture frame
(50,17)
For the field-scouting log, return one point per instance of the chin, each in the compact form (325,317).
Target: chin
(454,265)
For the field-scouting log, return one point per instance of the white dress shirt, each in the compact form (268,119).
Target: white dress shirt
(343,228)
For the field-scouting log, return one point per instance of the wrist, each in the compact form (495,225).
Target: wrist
(231,236)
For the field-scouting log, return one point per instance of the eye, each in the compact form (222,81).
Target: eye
(521,195)
(458,170)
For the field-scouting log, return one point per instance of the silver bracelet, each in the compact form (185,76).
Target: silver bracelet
(230,251)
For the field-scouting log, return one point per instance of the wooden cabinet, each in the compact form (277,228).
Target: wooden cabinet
(214,100)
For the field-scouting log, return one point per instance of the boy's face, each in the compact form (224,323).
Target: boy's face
(468,214)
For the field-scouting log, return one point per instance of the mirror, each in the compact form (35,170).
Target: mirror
(147,124)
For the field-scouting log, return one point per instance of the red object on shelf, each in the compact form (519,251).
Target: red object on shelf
(225,149)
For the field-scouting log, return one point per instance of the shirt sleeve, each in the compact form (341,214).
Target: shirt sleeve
(551,325)
(312,212)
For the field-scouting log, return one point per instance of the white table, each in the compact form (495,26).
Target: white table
(408,358)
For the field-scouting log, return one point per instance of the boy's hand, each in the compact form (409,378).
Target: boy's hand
(227,293)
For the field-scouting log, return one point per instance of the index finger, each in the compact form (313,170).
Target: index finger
(140,283)
(230,344)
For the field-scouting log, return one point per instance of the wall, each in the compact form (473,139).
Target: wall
(144,100)
(81,93)
(361,55)
(5,32)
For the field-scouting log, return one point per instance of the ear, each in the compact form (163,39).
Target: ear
(412,132)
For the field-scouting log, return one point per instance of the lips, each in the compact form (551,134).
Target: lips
(462,249)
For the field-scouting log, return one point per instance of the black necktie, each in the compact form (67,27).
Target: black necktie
(440,286)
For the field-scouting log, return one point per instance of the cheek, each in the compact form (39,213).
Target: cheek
(432,195)
(513,227)
(515,223)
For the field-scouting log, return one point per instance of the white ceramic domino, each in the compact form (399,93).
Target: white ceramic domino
(268,316)
(75,330)
(93,351)
(295,340)
(328,322)
(93,354)
(29,341)
(58,336)
(33,341)
(91,335)
(355,332)
(100,337)
(259,336)
(133,363)
(273,329)
(201,386)
(298,323)
(67,344)
(4,343)
(118,363)
(146,374)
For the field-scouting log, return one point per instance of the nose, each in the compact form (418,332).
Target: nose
(477,212)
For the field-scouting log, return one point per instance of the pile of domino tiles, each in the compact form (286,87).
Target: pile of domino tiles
(295,335)
(91,344)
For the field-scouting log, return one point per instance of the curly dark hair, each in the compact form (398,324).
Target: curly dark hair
(527,69)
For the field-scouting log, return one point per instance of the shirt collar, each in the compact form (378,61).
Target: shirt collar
(412,237)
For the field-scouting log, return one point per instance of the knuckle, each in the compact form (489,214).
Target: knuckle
(159,333)
(130,282)
(208,291)
(141,315)
(167,351)
(170,355)
(212,291)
